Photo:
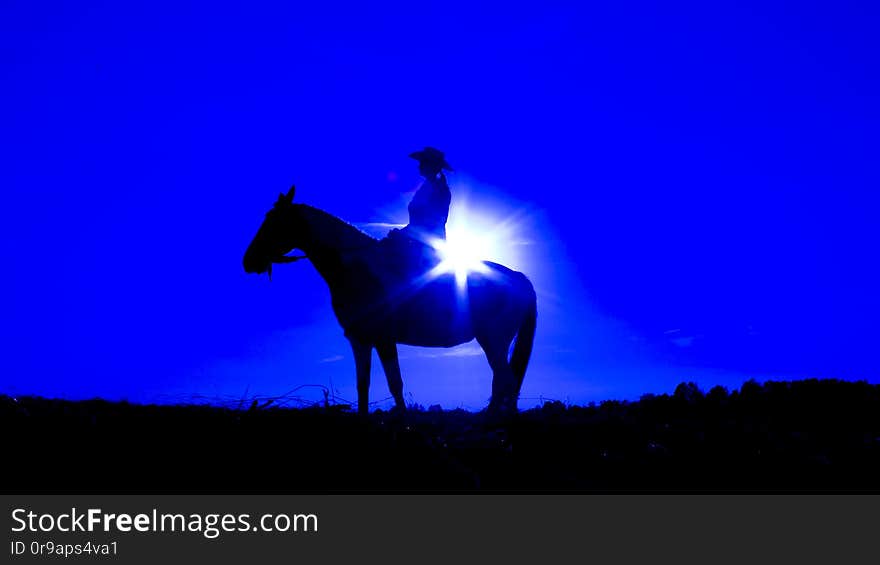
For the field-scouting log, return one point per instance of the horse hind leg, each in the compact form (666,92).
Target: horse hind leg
(391,365)
(504,382)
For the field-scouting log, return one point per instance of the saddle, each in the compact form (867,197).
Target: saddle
(408,257)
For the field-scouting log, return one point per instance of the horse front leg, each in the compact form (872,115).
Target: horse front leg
(391,364)
(363,354)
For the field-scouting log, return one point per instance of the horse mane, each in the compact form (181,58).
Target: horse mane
(334,232)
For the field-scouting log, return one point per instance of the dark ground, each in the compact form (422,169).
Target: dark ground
(800,436)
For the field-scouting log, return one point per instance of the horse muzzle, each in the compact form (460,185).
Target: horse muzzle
(255,265)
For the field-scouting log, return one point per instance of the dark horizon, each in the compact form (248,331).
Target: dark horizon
(813,436)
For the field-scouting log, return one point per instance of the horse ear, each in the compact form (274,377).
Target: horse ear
(291,192)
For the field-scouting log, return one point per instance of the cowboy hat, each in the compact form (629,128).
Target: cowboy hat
(431,156)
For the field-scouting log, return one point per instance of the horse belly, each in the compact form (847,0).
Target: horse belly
(435,317)
(432,337)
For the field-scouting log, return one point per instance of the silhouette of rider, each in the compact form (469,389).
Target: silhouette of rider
(429,207)
(428,212)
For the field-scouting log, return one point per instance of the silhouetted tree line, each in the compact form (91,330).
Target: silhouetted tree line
(802,435)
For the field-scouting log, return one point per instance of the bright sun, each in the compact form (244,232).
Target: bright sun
(463,252)
(468,243)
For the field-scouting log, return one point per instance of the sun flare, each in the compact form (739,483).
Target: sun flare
(463,252)
(470,240)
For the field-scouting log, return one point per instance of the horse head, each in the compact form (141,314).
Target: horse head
(278,235)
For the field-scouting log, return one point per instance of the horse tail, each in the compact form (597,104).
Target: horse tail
(525,338)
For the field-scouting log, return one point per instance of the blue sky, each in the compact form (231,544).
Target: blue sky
(695,188)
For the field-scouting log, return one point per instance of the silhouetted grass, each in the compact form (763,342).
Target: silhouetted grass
(803,435)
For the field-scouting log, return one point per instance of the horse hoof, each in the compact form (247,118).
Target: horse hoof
(397,413)
(499,414)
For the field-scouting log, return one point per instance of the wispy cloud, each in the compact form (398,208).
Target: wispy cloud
(468,350)
(681,339)
(332,359)
(378,225)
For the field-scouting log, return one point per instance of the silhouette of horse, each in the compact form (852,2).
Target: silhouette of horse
(378,307)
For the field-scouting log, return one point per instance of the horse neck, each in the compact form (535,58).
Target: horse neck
(329,240)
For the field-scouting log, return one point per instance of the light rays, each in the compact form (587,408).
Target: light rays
(472,239)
